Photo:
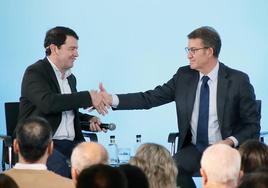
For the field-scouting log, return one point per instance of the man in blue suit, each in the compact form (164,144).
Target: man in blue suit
(228,113)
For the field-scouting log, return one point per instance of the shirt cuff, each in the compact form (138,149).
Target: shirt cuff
(235,141)
(115,101)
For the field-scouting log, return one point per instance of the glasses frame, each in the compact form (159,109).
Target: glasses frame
(194,50)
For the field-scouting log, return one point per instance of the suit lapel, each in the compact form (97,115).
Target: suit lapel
(51,74)
(71,81)
(222,89)
(191,93)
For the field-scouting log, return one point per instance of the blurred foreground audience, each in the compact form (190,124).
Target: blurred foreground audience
(157,164)
(7,182)
(135,176)
(254,154)
(256,179)
(86,154)
(101,176)
(220,167)
(33,144)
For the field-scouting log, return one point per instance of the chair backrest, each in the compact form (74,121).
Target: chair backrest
(12,113)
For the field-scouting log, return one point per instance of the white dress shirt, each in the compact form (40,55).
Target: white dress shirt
(36,166)
(66,127)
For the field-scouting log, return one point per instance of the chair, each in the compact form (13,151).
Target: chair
(174,136)
(11,115)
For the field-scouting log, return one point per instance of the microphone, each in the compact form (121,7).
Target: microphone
(108,126)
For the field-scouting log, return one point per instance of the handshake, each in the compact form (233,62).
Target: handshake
(101,100)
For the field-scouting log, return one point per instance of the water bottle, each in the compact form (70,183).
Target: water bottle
(113,152)
(137,144)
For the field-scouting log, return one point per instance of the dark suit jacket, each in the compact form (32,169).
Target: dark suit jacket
(236,105)
(41,96)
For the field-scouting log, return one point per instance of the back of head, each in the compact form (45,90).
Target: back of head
(221,164)
(101,176)
(256,179)
(157,163)
(57,36)
(135,176)
(254,154)
(7,182)
(86,154)
(210,38)
(33,136)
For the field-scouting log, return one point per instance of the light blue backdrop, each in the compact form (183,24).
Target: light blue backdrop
(133,46)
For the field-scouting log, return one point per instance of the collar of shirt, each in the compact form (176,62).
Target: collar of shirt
(57,71)
(213,74)
(37,166)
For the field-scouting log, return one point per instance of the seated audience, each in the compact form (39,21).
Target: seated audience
(7,182)
(254,154)
(135,176)
(220,167)
(101,176)
(157,164)
(256,179)
(33,144)
(86,154)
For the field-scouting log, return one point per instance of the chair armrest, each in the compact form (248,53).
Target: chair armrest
(7,140)
(92,136)
(262,135)
(172,137)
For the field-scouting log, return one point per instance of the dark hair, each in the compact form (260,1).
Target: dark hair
(256,179)
(7,182)
(33,136)
(254,154)
(135,176)
(209,37)
(101,176)
(57,36)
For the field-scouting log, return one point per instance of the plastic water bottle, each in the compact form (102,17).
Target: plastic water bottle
(113,152)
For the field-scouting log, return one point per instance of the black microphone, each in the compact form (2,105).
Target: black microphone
(108,126)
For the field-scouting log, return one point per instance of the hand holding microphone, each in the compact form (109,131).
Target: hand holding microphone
(97,126)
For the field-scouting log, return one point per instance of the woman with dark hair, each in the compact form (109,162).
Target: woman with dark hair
(254,154)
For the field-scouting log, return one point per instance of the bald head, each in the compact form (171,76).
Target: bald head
(88,153)
(220,164)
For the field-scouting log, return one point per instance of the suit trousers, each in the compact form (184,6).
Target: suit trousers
(188,162)
(59,160)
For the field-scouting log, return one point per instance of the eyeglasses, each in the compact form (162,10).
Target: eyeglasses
(193,50)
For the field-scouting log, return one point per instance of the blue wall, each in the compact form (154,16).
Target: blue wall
(133,46)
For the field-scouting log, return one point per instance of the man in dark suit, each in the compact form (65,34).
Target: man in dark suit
(49,90)
(227,114)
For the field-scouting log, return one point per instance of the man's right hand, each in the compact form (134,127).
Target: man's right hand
(99,103)
(106,96)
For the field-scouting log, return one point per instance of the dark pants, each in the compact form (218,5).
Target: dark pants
(59,161)
(188,162)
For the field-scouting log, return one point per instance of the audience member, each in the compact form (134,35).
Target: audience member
(86,154)
(33,144)
(135,176)
(7,182)
(254,154)
(220,167)
(101,176)
(256,179)
(158,165)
